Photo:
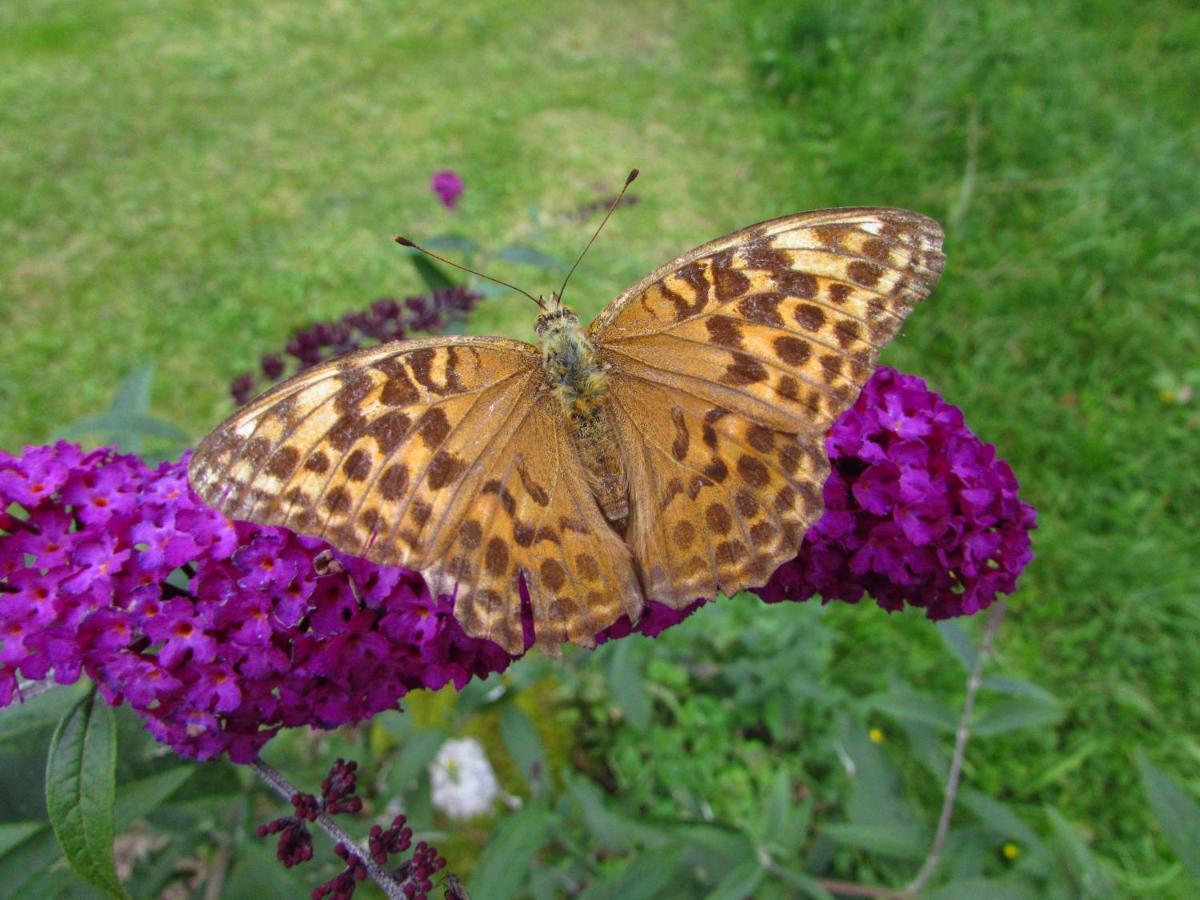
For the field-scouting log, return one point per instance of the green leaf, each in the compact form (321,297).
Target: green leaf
(628,687)
(524,254)
(646,877)
(525,747)
(416,753)
(140,798)
(710,850)
(27,862)
(610,830)
(133,393)
(13,833)
(959,642)
(122,428)
(42,713)
(258,873)
(781,804)
(899,840)
(431,274)
(446,244)
(739,882)
(903,702)
(127,422)
(805,884)
(503,870)
(1079,860)
(490,289)
(1015,715)
(783,824)
(81,791)
(999,818)
(928,748)
(1003,684)
(984,889)
(1177,813)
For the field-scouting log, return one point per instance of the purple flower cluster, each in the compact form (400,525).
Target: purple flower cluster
(383,320)
(918,510)
(219,633)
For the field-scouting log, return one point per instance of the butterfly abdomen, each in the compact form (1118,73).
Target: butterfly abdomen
(573,372)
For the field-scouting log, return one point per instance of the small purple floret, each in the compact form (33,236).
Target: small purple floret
(448,185)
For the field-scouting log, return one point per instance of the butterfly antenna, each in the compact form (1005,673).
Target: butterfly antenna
(628,181)
(405,242)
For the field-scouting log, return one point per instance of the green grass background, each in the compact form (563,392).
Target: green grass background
(185,183)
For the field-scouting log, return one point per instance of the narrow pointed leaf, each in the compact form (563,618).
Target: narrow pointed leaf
(525,747)
(432,275)
(81,791)
(504,869)
(1177,813)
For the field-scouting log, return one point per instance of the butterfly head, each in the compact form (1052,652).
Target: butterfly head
(555,317)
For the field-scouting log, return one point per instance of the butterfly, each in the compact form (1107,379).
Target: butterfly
(671,450)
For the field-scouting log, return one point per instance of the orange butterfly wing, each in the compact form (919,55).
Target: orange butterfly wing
(728,366)
(445,455)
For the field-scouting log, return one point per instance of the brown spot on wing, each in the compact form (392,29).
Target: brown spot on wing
(357,466)
(553,574)
(684,534)
(753,472)
(356,385)
(762,309)
(389,430)
(744,369)
(792,351)
(346,431)
(728,282)
(433,427)
(283,463)
(679,447)
(864,273)
(809,316)
(536,492)
(337,500)
(470,534)
(394,481)
(718,519)
(444,468)
(724,331)
(496,558)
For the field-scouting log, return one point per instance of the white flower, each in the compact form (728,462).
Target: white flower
(463,782)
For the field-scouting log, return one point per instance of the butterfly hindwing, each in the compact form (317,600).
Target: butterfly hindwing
(718,499)
(532,517)
(729,364)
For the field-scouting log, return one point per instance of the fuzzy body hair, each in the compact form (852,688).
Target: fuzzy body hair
(573,372)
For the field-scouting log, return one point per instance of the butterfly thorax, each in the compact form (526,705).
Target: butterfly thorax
(573,372)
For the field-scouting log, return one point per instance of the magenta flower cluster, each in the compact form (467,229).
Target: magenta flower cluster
(918,510)
(219,633)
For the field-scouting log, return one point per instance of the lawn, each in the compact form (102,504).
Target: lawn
(184,184)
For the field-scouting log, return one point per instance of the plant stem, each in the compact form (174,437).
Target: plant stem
(285,789)
(995,617)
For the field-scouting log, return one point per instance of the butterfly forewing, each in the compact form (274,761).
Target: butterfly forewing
(440,455)
(728,366)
